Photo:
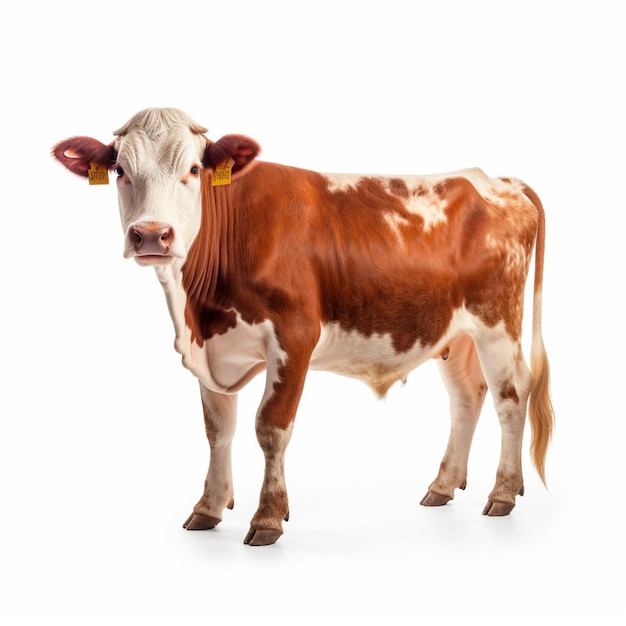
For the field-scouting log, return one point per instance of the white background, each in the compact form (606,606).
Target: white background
(102,450)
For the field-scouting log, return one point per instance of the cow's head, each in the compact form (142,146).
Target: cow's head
(160,158)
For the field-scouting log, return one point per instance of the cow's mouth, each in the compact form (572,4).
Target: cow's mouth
(153,259)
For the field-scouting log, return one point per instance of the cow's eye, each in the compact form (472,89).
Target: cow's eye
(194,170)
(119,171)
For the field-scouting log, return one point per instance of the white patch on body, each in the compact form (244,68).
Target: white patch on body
(423,201)
(395,222)
(500,355)
(342,182)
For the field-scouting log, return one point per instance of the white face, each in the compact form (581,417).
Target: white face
(159,184)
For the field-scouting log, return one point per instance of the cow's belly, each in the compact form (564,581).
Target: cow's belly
(371,359)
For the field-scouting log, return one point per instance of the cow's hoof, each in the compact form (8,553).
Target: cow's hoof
(498,509)
(257,537)
(197,521)
(434,499)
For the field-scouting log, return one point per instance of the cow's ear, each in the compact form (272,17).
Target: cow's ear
(77,153)
(241,149)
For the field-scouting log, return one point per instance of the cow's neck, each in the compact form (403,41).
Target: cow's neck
(191,285)
(202,266)
(207,261)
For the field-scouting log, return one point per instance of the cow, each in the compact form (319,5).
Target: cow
(277,269)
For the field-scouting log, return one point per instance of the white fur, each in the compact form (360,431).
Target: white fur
(342,182)
(156,186)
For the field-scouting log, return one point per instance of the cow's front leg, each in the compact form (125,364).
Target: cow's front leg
(266,525)
(274,424)
(220,416)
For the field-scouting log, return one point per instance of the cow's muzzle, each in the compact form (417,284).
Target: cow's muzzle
(149,243)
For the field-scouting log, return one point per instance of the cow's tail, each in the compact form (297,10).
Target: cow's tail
(540,408)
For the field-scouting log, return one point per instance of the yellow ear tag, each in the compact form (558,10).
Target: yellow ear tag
(98,175)
(223,173)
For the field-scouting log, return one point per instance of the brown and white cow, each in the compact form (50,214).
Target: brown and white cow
(275,268)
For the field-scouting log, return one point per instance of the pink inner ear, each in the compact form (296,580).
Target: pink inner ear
(71,154)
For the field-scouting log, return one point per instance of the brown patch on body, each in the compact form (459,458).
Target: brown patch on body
(508,392)
(398,187)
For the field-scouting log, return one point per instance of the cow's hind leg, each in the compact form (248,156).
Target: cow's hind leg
(220,416)
(464,380)
(509,381)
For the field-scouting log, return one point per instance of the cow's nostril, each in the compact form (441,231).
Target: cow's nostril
(136,237)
